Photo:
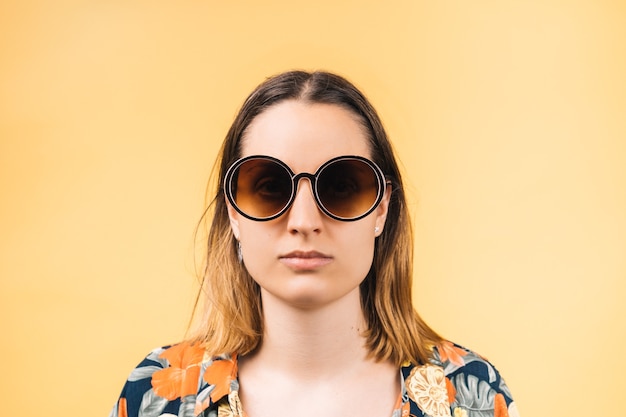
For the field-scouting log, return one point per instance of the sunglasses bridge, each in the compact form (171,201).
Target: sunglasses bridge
(295,182)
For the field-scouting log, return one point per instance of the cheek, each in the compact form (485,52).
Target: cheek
(358,250)
(258,250)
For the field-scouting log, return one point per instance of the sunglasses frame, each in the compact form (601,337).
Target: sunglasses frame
(295,181)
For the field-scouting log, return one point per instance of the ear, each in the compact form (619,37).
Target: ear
(382,209)
(233,217)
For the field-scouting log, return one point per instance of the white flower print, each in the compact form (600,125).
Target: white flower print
(426,386)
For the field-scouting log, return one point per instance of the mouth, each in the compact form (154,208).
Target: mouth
(305,260)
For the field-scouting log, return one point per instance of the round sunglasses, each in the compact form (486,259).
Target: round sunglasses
(345,188)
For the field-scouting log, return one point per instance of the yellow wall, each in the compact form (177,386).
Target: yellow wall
(509,117)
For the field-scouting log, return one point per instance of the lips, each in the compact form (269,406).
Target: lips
(305,260)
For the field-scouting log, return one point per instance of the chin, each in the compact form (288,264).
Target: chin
(312,297)
(305,301)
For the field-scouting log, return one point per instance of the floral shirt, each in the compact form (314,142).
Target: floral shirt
(183,380)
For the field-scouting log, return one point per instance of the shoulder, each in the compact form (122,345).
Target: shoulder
(475,382)
(472,385)
(181,379)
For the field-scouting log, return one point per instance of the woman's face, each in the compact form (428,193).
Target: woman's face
(305,258)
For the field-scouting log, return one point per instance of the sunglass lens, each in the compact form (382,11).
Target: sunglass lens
(261,188)
(348,188)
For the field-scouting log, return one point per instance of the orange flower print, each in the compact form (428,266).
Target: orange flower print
(406,409)
(426,386)
(121,408)
(500,406)
(220,374)
(451,391)
(449,352)
(181,377)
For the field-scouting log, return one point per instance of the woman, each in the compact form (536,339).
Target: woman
(306,297)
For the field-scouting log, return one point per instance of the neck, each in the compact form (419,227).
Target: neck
(312,343)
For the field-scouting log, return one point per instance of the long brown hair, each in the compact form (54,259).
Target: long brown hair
(229,299)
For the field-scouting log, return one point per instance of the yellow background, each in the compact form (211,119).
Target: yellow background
(508,116)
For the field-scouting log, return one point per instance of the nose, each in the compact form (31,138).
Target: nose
(304,216)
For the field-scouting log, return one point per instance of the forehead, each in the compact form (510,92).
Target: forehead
(305,135)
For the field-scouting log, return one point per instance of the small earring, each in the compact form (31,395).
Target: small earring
(376,230)
(239,253)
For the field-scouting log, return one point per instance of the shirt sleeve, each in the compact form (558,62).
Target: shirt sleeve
(478,388)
